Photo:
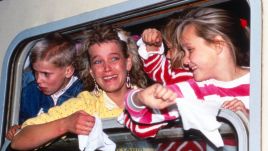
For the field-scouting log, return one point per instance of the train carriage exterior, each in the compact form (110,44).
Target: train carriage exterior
(23,22)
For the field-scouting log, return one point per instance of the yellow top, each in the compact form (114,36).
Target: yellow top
(101,106)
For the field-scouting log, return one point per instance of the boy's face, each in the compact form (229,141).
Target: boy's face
(50,78)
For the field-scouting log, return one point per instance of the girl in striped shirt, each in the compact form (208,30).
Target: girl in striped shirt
(212,40)
(162,68)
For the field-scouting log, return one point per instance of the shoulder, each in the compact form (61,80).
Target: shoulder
(85,94)
(78,82)
(76,87)
(89,97)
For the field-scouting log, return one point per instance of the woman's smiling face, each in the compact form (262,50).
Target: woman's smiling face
(109,66)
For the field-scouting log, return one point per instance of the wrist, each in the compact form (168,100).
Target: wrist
(63,128)
(134,102)
(152,48)
(144,52)
(137,101)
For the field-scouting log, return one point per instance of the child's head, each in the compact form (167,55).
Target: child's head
(169,36)
(52,60)
(168,32)
(215,29)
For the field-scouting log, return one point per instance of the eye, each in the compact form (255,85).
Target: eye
(97,61)
(46,74)
(188,49)
(115,58)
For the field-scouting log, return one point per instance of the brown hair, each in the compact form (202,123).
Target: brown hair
(169,36)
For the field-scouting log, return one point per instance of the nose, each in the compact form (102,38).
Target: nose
(38,78)
(107,66)
(186,59)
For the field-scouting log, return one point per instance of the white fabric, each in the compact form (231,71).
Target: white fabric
(143,52)
(41,111)
(201,115)
(96,140)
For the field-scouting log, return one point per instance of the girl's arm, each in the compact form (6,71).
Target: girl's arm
(152,105)
(142,130)
(158,68)
(155,63)
(236,105)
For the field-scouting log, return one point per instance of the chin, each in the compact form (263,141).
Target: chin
(199,79)
(111,90)
(107,89)
(47,93)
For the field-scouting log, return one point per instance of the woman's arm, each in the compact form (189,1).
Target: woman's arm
(34,136)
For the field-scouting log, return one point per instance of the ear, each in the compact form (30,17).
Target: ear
(219,44)
(91,72)
(69,71)
(129,63)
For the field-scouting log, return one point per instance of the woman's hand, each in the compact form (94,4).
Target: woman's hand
(156,97)
(80,123)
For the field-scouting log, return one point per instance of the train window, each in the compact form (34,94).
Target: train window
(135,21)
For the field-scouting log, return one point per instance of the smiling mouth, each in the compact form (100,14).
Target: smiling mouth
(110,77)
(192,68)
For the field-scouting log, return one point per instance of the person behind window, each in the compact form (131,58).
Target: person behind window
(53,66)
(158,66)
(109,74)
(212,40)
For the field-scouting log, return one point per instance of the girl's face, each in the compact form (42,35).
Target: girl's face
(108,66)
(200,56)
(50,78)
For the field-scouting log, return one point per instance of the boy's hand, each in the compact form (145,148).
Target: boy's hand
(156,97)
(12,131)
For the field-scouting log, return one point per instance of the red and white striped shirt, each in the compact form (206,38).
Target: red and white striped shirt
(158,67)
(225,91)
